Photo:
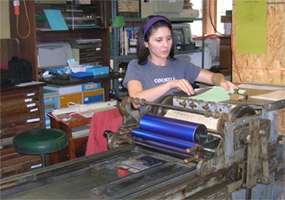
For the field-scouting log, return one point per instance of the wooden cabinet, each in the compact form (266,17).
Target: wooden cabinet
(27,24)
(21,109)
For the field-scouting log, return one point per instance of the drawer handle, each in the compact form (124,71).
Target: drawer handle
(34,110)
(30,94)
(31,105)
(33,120)
(28,100)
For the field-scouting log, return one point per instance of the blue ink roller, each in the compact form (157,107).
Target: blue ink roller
(160,145)
(174,128)
(166,140)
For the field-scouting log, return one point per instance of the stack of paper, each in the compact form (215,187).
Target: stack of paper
(216,94)
(272,96)
(64,89)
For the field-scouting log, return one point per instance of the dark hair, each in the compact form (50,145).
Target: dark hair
(143,36)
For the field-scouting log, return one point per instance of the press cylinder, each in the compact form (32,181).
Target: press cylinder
(184,130)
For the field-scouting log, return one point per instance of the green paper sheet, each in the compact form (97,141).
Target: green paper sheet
(216,94)
(251,26)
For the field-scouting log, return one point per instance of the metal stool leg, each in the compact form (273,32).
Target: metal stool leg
(43,160)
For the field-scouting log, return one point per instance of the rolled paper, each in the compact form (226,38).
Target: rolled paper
(163,139)
(187,131)
(160,145)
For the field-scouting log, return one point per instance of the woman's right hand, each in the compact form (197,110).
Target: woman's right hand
(183,85)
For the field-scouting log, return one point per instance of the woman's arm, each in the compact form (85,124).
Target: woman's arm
(135,89)
(217,79)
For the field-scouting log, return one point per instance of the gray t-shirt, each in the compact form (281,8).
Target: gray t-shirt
(151,75)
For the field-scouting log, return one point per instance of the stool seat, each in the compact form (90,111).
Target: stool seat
(40,141)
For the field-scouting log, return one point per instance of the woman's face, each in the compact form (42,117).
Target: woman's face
(160,43)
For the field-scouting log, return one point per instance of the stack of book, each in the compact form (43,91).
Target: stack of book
(128,40)
(80,131)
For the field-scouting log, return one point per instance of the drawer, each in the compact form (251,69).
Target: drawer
(90,54)
(14,163)
(88,50)
(93,96)
(51,101)
(12,131)
(19,108)
(90,86)
(74,98)
(20,100)
(93,92)
(93,99)
(90,60)
(20,123)
(22,94)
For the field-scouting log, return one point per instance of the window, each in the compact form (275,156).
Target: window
(222,6)
(196,26)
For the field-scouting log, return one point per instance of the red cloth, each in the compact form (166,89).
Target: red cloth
(106,120)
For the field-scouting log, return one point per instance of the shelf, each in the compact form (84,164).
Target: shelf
(133,56)
(43,33)
(74,81)
(187,51)
(175,20)
(124,58)
(72,13)
(117,49)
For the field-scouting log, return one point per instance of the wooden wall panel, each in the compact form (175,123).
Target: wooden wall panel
(266,68)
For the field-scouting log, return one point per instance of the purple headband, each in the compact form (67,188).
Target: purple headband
(150,22)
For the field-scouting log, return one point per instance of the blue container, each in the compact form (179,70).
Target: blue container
(98,70)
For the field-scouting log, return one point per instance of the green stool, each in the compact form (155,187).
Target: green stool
(40,142)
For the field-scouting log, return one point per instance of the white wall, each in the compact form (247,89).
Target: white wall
(4,19)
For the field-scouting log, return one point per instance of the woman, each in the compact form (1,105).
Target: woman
(156,72)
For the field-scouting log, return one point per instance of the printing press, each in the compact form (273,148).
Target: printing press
(176,148)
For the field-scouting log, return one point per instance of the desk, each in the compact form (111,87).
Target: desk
(67,128)
(104,79)
(106,117)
